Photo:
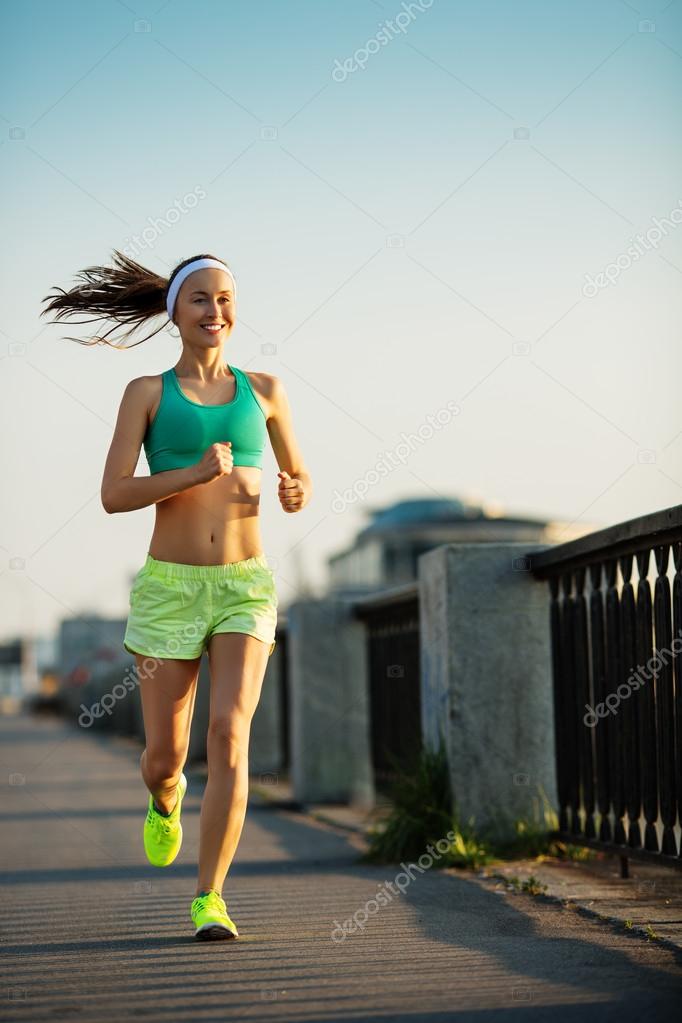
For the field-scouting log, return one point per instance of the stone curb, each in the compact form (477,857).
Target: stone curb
(614,922)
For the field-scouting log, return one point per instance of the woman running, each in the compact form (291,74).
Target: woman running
(205,583)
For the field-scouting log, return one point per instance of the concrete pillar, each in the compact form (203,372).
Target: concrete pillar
(487,680)
(266,754)
(329,712)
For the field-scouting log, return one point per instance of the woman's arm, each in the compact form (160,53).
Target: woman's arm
(295,485)
(121,491)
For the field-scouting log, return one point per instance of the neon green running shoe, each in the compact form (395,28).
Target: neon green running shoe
(163,835)
(209,916)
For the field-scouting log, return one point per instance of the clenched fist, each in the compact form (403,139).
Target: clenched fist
(290,492)
(216,461)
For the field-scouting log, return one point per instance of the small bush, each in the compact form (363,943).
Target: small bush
(421,810)
(424,811)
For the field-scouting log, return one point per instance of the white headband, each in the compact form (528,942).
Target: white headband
(181,275)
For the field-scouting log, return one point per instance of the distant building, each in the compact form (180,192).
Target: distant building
(385,553)
(18,673)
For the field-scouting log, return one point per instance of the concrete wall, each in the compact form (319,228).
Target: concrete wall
(329,712)
(106,701)
(487,679)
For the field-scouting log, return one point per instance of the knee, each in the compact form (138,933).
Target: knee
(227,739)
(163,766)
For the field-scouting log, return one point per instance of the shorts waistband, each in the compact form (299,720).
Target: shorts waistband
(179,570)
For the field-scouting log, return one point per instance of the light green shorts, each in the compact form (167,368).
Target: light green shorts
(176,608)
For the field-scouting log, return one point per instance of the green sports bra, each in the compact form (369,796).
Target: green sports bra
(183,429)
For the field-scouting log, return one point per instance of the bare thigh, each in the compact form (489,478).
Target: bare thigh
(167,691)
(237,664)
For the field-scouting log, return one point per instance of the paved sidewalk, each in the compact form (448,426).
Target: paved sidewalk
(90,931)
(648,902)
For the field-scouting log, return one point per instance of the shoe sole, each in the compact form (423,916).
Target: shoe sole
(214,932)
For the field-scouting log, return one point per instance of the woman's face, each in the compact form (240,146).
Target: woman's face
(206,298)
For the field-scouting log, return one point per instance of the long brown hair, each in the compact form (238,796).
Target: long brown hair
(127,293)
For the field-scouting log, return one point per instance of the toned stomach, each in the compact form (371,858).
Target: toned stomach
(211,523)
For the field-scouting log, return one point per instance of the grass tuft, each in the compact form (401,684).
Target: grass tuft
(423,812)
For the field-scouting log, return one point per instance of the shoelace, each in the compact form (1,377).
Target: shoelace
(201,901)
(162,823)
(199,904)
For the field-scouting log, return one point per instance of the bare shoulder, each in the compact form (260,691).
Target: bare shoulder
(143,385)
(142,395)
(264,383)
(268,389)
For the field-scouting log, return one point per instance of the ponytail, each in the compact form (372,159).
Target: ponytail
(127,293)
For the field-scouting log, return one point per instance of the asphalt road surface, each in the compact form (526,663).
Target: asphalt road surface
(92,932)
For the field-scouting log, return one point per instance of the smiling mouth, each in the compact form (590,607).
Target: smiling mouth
(212,328)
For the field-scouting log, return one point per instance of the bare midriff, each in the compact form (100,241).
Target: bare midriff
(211,523)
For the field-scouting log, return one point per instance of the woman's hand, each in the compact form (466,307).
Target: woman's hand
(291,492)
(216,461)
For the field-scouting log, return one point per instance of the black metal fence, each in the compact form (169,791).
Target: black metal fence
(392,622)
(617,676)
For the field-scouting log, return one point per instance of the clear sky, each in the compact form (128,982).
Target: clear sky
(420,203)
